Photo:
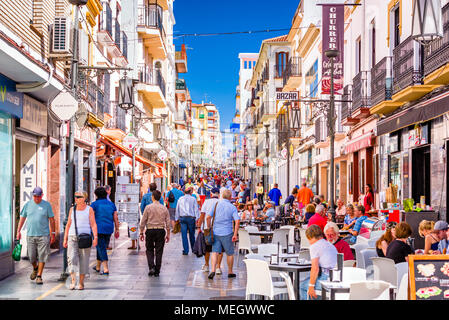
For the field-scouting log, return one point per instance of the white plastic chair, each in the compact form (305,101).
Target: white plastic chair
(367,254)
(372,243)
(385,270)
(369,290)
(305,244)
(244,241)
(348,263)
(281,236)
(401,269)
(289,284)
(255,240)
(403,288)
(358,255)
(274,274)
(259,280)
(291,234)
(375,235)
(351,275)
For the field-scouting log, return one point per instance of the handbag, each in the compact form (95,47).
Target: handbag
(177,227)
(84,239)
(208,233)
(17,251)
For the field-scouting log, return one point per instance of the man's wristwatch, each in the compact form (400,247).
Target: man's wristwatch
(311,285)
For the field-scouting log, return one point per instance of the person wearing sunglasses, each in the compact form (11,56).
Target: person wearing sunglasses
(78,258)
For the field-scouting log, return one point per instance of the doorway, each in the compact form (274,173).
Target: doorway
(421,174)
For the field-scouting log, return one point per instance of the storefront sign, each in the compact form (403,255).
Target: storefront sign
(28,173)
(11,101)
(64,105)
(287,96)
(333,39)
(34,116)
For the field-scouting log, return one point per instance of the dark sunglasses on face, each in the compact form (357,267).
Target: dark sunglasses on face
(79,197)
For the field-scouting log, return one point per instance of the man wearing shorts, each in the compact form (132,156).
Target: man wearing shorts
(225,234)
(40,232)
(209,206)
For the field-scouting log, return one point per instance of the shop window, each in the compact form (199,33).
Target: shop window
(394,143)
(394,173)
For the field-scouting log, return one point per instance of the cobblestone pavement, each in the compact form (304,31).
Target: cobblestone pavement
(181,278)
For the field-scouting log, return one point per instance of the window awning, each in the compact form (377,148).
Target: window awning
(424,111)
(364,141)
(128,153)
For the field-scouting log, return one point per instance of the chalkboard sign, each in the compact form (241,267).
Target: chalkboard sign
(429,277)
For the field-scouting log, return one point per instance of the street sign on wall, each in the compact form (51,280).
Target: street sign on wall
(64,105)
(287,96)
(130,141)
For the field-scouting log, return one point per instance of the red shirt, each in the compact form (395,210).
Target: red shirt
(318,220)
(368,202)
(343,247)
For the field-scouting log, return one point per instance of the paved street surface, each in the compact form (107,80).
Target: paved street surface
(181,278)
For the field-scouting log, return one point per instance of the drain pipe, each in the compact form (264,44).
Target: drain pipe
(34,86)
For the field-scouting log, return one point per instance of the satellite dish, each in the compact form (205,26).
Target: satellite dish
(81,115)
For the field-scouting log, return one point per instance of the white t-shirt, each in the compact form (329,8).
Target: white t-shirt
(208,206)
(326,252)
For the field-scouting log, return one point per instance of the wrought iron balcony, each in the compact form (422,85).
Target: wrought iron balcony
(150,17)
(346,106)
(266,73)
(293,70)
(381,81)
(436,54)
(279,70)
(151,76)
(105,26)
(406,72)
(118,120)
(361,90)
(125,45)
(118,33)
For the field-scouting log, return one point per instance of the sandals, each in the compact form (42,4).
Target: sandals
(80,287)
(72,286)
(104,273)
(96,270)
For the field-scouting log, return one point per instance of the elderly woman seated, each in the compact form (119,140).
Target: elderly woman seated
(323,256)
(332,234)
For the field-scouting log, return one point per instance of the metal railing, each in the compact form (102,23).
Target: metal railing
(382,81)
(151,76)
(361,90)
(118,33)
(406,72)
(346,107)
(293,68)
(266,73)
(125,45)
(436,54)
(106,18)
(320,129)
(150,16)
(118,120)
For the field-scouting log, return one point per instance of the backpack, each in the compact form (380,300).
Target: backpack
(171,197)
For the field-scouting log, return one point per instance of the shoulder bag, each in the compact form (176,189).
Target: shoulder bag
(208,233)
(84,239)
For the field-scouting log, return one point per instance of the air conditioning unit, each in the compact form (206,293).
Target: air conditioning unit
(61,35)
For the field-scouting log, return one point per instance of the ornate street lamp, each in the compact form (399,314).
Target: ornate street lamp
(427,24)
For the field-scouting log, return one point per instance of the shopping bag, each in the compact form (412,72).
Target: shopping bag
(17,251)
(177,227)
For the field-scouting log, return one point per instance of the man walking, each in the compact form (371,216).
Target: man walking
(156,220)
(172,198)
(39,216)
(187,212)
(246,193)
(223,232)
(305,195)
(275,195)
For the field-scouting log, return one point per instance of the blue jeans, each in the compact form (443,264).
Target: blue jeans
(304,286)
(103,243)
(187,224)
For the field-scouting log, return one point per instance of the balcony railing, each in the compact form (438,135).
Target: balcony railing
(125,45)
(381,81)
(151,17)
(118,120)
(320,130)
(118,33)
(106,19)
(346,106)
(293,68)
(181,84)
(280,70)
(361,90)
(436,54)
(406,72)
(151,76)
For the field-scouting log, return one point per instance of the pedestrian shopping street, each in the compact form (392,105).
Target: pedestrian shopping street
(181,278)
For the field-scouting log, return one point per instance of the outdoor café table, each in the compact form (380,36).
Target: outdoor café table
(284,256)
(263,234)
(292,269)
(343,287)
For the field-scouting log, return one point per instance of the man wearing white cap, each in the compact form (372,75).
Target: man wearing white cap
(40,232)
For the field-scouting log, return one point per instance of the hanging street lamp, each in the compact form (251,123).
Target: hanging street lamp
(427,24)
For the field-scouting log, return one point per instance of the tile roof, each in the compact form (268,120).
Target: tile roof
(277,39)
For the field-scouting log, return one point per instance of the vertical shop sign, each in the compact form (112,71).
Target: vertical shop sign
(27,172)
(333,39)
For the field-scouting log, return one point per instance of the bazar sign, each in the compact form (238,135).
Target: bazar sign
(287,96)
(333,39)
(11,101)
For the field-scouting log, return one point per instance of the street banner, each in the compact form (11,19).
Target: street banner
(333,39)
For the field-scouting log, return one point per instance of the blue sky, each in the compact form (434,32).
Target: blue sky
(213,63)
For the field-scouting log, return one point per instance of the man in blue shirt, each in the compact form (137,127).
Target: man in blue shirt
(275,195)
(172,205)
(146,199)
(187,212)
(224,231)
(269,212)
(40,232)
(359,213)
(181,182)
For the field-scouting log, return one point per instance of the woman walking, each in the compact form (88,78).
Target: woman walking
(106,217)
(259,192)
(81,220)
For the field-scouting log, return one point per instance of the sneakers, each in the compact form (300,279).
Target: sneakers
(33,274)
(39,280)
(205,268)
(218,272)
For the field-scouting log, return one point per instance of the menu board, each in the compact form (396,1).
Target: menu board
(429,277)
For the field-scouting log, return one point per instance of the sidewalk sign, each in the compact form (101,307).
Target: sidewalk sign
(429,277)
